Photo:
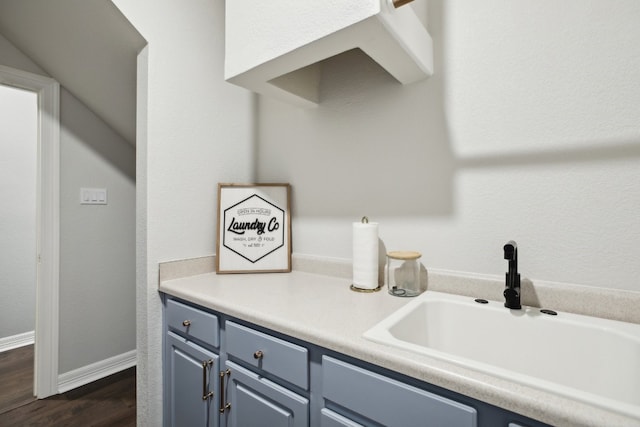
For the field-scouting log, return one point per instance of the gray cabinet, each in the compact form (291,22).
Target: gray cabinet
(254,401)
(329,418)
(191,366)
(268,354)
(192,323)
(192,371)
(222,372)
(389,402)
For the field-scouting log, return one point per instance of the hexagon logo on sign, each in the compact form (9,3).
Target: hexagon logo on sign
(253,228)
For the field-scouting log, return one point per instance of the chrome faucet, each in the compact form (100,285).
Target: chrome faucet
(512,285)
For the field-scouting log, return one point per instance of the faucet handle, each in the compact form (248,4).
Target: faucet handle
(512,299)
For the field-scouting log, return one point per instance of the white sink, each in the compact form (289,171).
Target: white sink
(586,358)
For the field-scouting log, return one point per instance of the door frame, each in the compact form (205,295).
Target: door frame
(45,376)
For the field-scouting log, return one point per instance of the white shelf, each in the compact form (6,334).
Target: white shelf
(273,48)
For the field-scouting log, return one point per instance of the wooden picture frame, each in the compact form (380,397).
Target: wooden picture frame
(254,228)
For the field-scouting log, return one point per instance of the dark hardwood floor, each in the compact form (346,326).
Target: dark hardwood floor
(16,377)
(110,401)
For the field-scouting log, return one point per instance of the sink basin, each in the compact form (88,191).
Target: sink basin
(590,359)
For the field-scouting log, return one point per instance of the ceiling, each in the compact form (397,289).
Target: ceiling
(89,47)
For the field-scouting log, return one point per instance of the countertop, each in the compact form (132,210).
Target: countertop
(322,310)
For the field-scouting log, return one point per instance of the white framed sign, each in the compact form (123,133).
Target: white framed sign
(254,228)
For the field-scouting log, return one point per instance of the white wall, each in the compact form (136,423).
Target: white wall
(18,156)
(14,58)
(194,130)
(529,130)
(97,244)
(407,156)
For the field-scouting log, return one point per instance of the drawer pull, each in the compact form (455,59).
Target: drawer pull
(223,405)
(258,355)
(206,394)
(186,323)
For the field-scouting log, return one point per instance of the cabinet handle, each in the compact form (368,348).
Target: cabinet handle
(223,405)
(258,355)
(206,394)
(186,323)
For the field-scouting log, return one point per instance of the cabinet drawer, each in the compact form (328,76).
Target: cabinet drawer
(269,354)
(193,323)
(387,401)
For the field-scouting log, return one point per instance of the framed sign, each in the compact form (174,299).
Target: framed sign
(254,228)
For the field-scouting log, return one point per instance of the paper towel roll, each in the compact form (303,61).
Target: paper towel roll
(365,255)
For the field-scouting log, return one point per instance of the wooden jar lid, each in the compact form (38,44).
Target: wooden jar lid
(404,255)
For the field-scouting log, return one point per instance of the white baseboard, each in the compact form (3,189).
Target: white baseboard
(95,371)
(15,341)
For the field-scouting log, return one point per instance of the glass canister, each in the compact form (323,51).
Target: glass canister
(402,273)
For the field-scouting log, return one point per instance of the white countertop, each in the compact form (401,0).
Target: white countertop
(323,310)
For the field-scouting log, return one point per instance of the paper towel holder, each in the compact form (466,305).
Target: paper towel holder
(365,220)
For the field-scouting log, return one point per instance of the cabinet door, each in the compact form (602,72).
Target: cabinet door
(328,418)
(257,402)
(191,384)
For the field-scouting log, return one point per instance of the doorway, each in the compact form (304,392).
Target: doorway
(45,221)
(18,173)
(18,161)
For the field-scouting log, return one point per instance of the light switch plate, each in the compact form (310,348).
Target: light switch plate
(93,196)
